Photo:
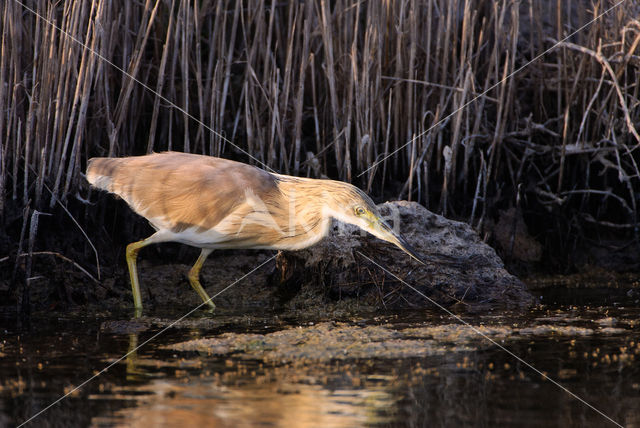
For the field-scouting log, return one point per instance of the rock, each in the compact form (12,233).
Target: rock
(513,237)
(461,269)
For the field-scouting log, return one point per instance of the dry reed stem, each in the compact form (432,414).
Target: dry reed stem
(336,85)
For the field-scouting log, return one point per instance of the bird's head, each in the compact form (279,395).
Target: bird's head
(351,205)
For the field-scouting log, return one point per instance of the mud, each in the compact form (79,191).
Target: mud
(346,271)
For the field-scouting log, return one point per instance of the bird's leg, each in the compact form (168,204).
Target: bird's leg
(132,358)
(132,255)
(194,277)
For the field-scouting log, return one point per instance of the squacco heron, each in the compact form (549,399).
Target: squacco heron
(213,203)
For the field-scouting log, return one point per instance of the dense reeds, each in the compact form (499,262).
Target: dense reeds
(329,88)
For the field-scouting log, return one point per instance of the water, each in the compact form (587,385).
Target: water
(418,368)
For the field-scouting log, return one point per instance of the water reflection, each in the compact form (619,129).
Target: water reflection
(449,377)
(201,403)
(244,393)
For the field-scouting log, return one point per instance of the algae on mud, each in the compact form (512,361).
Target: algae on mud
(330,341)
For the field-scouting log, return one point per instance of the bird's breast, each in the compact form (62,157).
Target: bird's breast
(262,230)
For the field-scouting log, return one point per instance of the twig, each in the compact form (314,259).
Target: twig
(53,253)
(614,81)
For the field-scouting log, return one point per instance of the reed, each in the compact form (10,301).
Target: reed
(329,88)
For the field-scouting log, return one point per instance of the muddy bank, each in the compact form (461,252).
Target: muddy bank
(347,270)
(354,270)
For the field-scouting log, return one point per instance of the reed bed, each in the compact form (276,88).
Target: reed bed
(322,88)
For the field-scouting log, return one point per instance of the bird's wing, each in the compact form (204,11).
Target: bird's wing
(177,190)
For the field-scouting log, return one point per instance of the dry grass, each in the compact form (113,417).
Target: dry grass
(328,88)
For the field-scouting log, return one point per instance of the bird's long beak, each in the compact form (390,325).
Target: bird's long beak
(384,232)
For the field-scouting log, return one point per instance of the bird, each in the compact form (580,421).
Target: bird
(215,203)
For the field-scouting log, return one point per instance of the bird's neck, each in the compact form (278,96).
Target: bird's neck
(302,214)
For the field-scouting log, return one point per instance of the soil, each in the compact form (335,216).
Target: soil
(347,271)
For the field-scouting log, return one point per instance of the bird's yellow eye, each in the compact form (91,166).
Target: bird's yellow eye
(359,211)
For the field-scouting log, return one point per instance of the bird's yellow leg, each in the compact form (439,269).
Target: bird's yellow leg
(194,277)
(132,255)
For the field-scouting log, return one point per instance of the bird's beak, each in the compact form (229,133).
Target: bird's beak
(384,232)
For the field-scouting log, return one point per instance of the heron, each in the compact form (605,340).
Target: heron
(214,203)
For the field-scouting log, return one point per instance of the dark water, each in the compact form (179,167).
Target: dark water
(592,350)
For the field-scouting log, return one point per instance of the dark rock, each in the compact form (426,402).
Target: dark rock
(460,269)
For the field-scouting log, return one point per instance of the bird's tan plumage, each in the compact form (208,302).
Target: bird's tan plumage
(179,190)
(214,203)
